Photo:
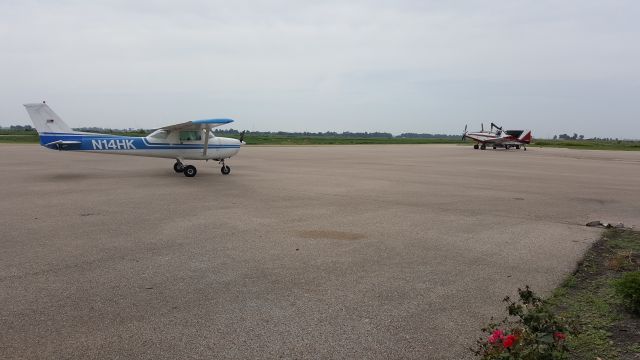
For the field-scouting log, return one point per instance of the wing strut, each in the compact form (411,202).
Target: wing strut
(206,141)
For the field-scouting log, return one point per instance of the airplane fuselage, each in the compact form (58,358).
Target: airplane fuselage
(217,148)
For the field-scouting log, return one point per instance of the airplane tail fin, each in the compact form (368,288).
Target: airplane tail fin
(46,121)
(526,137)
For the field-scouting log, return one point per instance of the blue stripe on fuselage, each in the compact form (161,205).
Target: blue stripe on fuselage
(97,142)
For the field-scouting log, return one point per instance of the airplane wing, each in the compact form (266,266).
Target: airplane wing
(198,124)
(484,138)
(195,125)
(496,141)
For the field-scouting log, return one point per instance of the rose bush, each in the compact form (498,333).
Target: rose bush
(530,332)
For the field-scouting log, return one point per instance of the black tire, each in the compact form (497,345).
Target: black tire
(517,147)
(178,167)
(494,148)
(190,171)
(483,147)
(476,146)
(225,170)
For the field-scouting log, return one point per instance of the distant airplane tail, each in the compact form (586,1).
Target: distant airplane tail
(46,121)
(526,137)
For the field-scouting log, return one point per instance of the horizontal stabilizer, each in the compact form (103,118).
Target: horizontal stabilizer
(64,145)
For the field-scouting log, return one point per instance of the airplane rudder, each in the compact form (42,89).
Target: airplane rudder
(45,120)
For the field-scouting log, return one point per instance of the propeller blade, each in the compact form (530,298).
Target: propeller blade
(242,136)
(464,133)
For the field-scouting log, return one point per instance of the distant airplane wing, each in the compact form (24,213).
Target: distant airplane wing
(497,141)
(484,138)
(198,124)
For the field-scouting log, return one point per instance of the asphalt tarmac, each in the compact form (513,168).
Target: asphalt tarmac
(383,252)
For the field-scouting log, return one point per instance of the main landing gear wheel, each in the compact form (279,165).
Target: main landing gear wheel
(225,170)
(494,147)
(190,171)
(178,167)
(483,147)
(476,146)
(517,147)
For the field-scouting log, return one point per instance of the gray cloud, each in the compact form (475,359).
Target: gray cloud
(420,66)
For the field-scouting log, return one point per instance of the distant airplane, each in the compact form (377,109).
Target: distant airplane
(498,138)
(191,140)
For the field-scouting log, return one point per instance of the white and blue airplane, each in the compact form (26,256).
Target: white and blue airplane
(191,140)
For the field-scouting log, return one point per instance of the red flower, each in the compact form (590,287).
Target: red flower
(497,335)
(559,336)
(509,340)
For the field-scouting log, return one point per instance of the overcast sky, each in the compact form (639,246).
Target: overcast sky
(396,66)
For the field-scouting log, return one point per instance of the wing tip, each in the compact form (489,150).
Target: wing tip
(213,121)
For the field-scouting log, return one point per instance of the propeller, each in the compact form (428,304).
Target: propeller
(242,137)
(464,134)
(481,126)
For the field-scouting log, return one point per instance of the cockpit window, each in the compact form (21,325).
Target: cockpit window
(190,135)
(159,134)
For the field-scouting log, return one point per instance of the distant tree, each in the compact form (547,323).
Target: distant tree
(555,137)
(574,137)
(427,136)
(564,137)
(21,127)
(581,137)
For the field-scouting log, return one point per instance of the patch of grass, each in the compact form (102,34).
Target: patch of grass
(627,145)
(592,344)
(14,136)
(329,140)
(8,136)
(19,138)
(623,240)
(587,299)
(634,349)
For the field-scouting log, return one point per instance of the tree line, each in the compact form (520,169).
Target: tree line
(575,136)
